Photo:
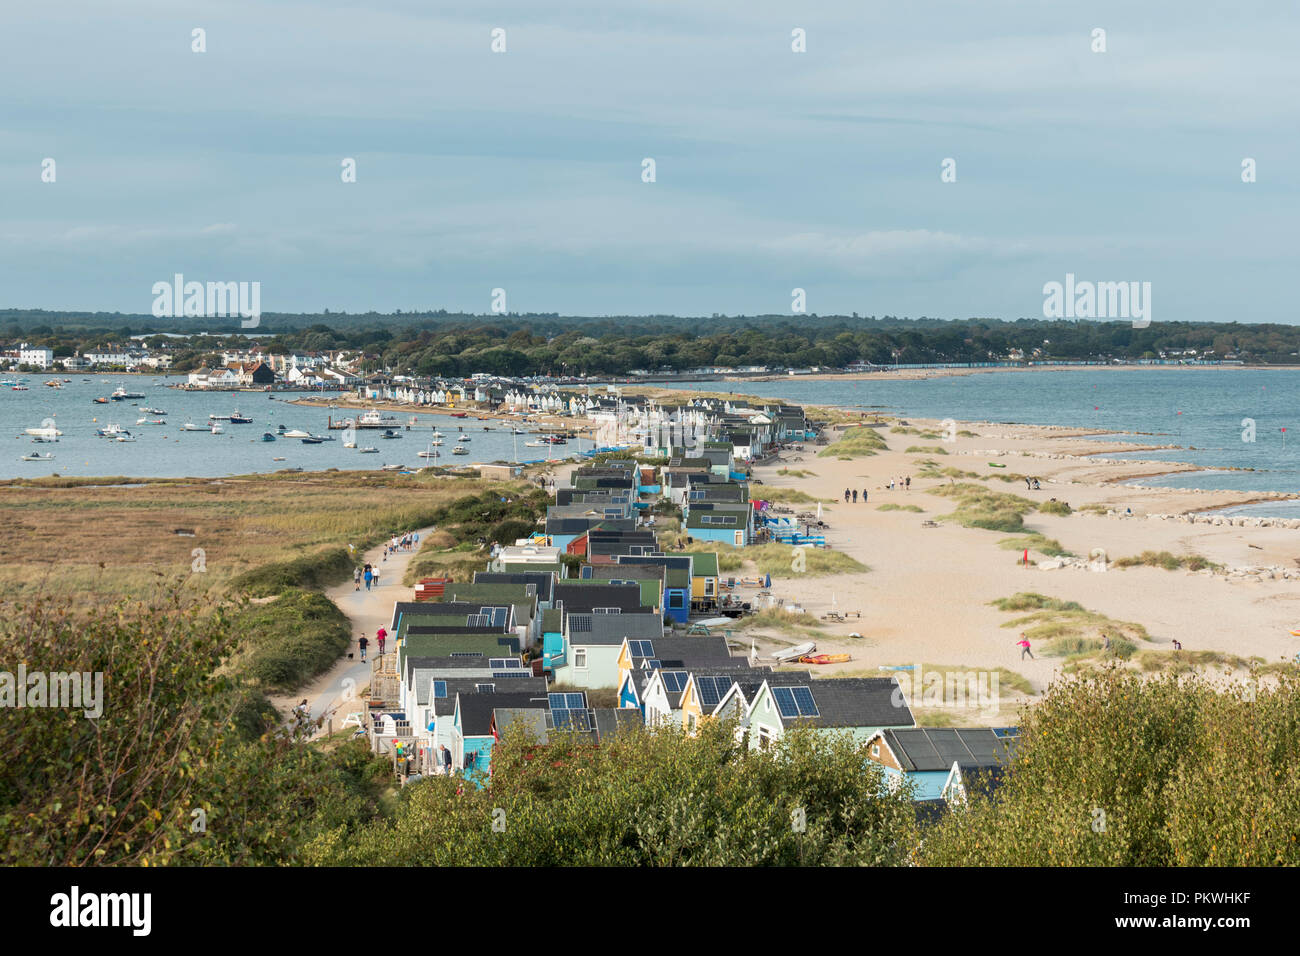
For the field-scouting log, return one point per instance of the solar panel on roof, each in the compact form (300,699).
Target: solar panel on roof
(504,663)
(712,690)
(785,701)
(641,648)
(510,674)
(803,698)
(579,623)
(652,664)
(573,719)
(674,681)
(484,688)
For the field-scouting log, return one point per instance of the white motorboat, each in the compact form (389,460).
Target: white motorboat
(368,451)
(48,456)
(111,431)
(44,431)
(297,433)
(794,653)
(216,429)
(191,427)
(460,450)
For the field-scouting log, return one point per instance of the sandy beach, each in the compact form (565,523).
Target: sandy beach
(927,596)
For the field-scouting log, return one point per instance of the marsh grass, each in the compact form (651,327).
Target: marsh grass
(1168,561)
(890,506)
(978,507)
(858,441)
(1036,542)
(93,540)
(1068,629)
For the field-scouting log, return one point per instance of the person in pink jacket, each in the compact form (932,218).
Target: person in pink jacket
(1023,644)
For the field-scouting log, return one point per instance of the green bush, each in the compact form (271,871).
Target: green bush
(290,640)
(322,569)
(1054,508)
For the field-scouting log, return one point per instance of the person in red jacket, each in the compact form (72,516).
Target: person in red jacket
(381,635)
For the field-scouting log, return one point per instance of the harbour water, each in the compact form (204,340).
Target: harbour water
(167,451)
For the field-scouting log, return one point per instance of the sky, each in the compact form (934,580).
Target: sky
(522,170)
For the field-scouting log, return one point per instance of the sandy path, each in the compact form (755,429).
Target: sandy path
(338,690)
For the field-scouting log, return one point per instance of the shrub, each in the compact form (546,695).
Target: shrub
(319,570)
(1054,508)
(291,639)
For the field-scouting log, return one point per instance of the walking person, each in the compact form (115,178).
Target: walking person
(356,577)
(376,577)
(1023,643)
(363,644)
(846,496)
(1105,643)
(908,483)
(864,496)
(855,496)
(381,635)
(368,577)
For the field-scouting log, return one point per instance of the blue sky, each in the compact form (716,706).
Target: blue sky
(522,170)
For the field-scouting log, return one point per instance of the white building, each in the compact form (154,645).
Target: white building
(41,358)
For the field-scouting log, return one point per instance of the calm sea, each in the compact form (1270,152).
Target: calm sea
(1204,410)
(165,451)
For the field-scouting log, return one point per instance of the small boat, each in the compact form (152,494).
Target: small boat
(54,383)
(519,431)
(459,414)
(238,419)
(297,433)
(390,434)
(311,440)
(427,454)
(125,436)
(436,441)
(217,429)
(191,427)
(460,450)
(48,456)
(392,468)
(280,428)
(122,393)
(791,654)
(368,451)
(464,438)
(436,433)
(267,436)
(153,411)
(20,388)
(349,444)
(996,464)
(150,421)
(535,444)
(41,440)
(44,431)
(825,658)
(218,418)
(111,431)
(277,459)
